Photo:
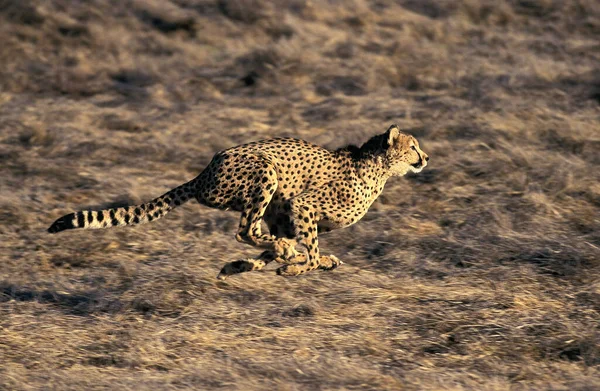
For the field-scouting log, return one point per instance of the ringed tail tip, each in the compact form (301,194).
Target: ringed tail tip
(65,222)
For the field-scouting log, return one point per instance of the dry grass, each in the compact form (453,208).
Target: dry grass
(481,273)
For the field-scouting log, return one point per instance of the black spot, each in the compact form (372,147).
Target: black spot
(111,213)
(114,222)
(136,220)
(150,217)
(100,216)
(138,212)
(90,217)
(159,204)
(150,207)
(126,218)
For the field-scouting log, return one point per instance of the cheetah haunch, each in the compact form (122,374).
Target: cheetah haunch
(299,189)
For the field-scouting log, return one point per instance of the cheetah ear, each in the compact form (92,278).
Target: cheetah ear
(392,134)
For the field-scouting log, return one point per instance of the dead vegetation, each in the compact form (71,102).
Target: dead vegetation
(481,273)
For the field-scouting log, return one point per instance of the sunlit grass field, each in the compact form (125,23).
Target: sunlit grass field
(480,273)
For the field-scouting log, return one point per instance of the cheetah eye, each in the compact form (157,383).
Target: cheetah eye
(413,148)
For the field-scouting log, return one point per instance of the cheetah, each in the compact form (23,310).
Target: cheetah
(297,188)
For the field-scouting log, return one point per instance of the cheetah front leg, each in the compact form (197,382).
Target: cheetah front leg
(305,223)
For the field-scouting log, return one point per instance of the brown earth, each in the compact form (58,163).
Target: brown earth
(481,273)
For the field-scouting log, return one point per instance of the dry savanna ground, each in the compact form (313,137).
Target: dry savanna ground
(481,273)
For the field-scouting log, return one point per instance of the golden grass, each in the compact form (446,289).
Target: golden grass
(481,273)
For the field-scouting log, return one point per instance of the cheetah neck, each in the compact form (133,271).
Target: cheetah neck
(374,173)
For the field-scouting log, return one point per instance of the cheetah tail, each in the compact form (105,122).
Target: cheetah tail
(128,215)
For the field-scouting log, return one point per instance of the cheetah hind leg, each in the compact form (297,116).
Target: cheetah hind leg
(246,265)
(326,262)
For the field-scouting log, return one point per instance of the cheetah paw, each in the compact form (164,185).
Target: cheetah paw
(236,267)
(329,262)
(285,248)
(290,270)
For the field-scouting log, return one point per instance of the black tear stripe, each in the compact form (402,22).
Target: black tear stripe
(417,164)
(80,220)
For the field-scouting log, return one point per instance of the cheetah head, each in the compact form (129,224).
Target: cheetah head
(403,153)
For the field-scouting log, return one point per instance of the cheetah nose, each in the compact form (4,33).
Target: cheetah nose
(426,158)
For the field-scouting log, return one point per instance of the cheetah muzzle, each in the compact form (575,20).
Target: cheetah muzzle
(300,190)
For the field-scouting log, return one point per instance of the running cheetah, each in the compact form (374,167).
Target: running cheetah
(299,189)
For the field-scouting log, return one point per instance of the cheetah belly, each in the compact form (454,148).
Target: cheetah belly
(326,225)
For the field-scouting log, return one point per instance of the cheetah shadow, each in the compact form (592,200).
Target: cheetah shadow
(444,258)
(76,303)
